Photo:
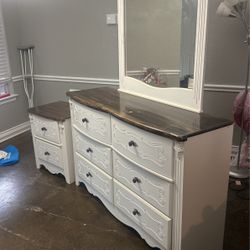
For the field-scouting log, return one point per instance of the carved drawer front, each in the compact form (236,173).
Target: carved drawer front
(149,150)
(93,151)
(147,217)
(95,177)
(92,122)
(46,129)
(49,153)
(153,189)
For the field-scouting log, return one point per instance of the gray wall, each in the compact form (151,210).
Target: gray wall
(13,113)
(226,61)
(226,54)
(72,39)
(47,91)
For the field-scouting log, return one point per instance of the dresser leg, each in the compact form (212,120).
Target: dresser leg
(77,181)
(69,180)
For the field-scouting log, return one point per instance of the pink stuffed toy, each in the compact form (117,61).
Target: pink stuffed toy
(241,111)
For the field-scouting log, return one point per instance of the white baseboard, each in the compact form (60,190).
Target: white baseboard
(12,132)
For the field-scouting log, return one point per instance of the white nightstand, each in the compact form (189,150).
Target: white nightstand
(51,131)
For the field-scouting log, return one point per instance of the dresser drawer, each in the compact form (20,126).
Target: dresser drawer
(151,188)
(147,217)
(46,129)
(92,122)
(95,177)
(149,150)
(49,153)
(93,151)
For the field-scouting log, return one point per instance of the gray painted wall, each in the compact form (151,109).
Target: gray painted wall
(226,53)
(13,113)
(57,90)
(72,39)
(226,61)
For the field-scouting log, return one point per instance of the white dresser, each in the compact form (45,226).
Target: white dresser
(170,188)
(52,139)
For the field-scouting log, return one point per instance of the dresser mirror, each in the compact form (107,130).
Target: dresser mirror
(162,50)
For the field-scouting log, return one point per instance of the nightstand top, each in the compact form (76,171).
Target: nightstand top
(57,111)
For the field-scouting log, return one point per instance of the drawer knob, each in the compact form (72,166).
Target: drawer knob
(136,180)
(132,144)
(89,174)
(85,120)
(89,150)
(46,153)
(136,212)
(43,129)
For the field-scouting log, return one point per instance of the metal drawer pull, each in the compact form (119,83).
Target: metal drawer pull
(136,212)
(85,120)
(89,150)
(43,129)
(132,144)
(89,174)
(136,180)
(46,153)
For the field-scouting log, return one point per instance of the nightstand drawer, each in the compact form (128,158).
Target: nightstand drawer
(95,177)
(153,189)
(147,217)
(46,129)
(49,153)
(93,151)
(146,149)
(91,122)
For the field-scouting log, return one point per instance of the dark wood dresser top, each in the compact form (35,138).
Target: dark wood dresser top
(160,119)
(57,111)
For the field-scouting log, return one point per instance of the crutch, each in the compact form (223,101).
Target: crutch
(27,67)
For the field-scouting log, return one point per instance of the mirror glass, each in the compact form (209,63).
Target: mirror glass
(160,41)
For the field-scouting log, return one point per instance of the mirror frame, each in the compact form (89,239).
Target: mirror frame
(189,99)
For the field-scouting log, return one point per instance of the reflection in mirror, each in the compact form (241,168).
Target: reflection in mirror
(160,41)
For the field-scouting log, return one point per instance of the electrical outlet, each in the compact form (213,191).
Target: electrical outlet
(111,19)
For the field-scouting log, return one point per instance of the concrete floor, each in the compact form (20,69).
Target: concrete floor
(40,211)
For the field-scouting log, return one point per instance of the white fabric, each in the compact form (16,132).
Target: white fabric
(227,7)
(224,10)
(234,2)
